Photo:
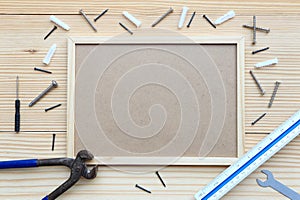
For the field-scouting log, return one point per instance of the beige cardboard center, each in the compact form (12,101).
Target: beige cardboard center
(146,100)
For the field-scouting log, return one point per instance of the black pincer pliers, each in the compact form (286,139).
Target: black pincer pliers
(77,166)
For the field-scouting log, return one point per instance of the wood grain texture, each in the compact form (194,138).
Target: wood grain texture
(23,24)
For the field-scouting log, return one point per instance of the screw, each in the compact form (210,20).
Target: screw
(127,29)
(266,30)
(259,118)
(277,83)
(209,21)
(87,19)
(189,24)
(53,85)
(100,15)
(262,91)
(260,50)
(162,17)
(53,29)
(254,29)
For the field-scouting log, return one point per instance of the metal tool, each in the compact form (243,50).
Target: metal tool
(127,29)
(42,70)
(255,157)
(276,185)
(260,50)
(191,19)
(52,30)
(262,91)
(266,30)
(17,107)
(254,30)
(142,188)
(162,17)
(87,19)
(209,21)
(277,83)
(101,14)
(52,107)
(259,118)
(77,167)
(36,99)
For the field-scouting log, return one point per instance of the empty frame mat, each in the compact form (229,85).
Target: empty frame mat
(156,102)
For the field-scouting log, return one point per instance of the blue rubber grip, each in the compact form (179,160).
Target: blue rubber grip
(18,164)
(45,198)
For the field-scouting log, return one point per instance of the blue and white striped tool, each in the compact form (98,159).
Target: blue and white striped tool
(259,154)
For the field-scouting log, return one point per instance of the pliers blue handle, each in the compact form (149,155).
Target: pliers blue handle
(77,166)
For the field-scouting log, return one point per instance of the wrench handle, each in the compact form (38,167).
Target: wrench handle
(284,190)
(19,164)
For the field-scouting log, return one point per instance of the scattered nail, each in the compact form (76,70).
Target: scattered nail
(209,21)
(259,118)
(129,31)
(182,16)
(42,70)
(260,50)
(161,180)
(53,141)
(190,22)
(52,30)
(266,63)
(47,109)
(132,19)
(105,11)
(140,187)
(59,22)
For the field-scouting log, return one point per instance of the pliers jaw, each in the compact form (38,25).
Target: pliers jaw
(78,168)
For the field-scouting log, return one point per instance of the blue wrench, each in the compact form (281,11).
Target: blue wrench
(276,185)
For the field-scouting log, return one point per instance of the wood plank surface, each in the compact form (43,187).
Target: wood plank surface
(23,24)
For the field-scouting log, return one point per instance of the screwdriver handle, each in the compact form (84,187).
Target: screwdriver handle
(17,115)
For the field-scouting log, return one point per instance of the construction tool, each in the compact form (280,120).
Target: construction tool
(77,167)
(276,185)
(17,107)
(36,99)
(259,154)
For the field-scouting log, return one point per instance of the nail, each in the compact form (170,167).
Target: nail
(277,83)
(260,50)
(52,30)
(162,17)
(53,141)
(140,187)
(209,21)
(42,70)
(259,118)
(47,109)
(266,30)
(129,31)
(254,30)
(105,11)
(161,180)
(192,17)
(87,19)
(262,91)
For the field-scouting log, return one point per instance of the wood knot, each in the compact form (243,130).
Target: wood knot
(32,51)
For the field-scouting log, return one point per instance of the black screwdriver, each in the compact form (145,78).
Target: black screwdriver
(17,108)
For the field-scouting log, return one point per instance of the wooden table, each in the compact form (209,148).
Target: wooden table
(23,24)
